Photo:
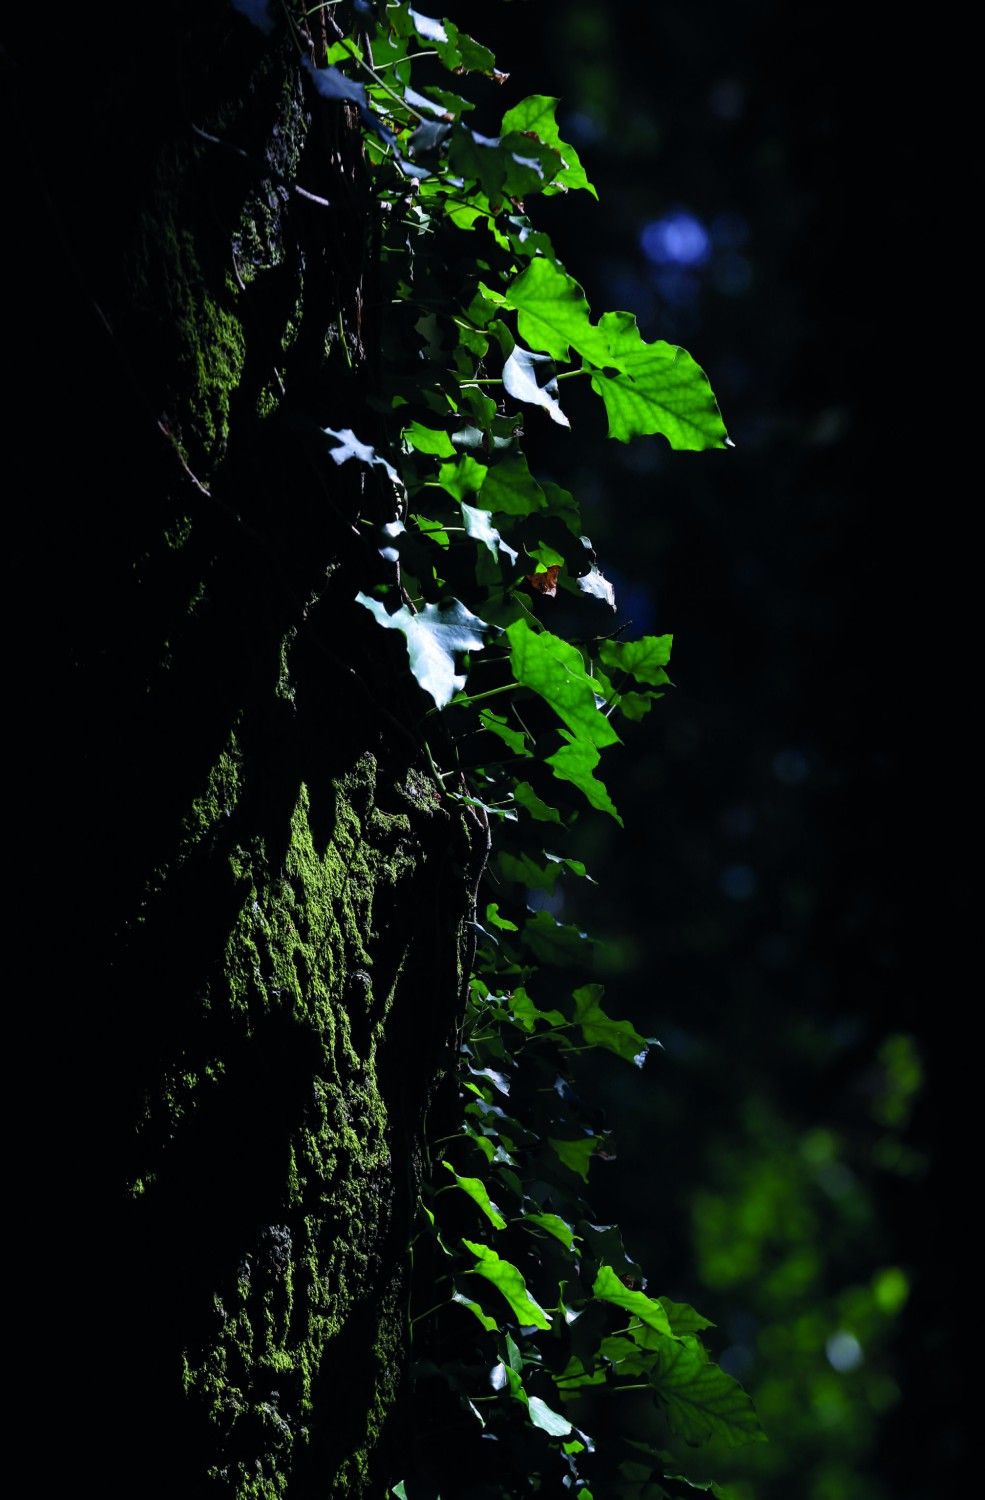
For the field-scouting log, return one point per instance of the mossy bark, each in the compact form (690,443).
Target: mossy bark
(267,893)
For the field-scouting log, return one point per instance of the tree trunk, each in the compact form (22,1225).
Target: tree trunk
(250,952)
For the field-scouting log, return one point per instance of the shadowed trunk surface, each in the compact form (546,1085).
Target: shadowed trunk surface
(249,954)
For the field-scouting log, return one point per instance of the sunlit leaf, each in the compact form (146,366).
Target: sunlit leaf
(351,447)
(556,671)
(509,1281)
(497,724)
(489,1324)
(683,1318)
(547,1420)
(520,380)
(644,659)
(554,1225)
(537,114)
(481,529)
(658,388)
(477,1191)
(433,636)
(428,440)
(608,1288)
(575,762)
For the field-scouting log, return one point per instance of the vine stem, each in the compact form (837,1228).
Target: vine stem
(507,687)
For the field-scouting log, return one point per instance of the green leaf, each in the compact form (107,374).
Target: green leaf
(480,528)
(576,1155)
(399,1492)
(488,1323)
(702,1403)
(645,659)
(683,1318)
(554,1225)
(497,724)
(526,871)
(556,671)
(476,1190)
(608,1288)
(659,388)
(547,1420)
(553,314)
(537,114)
(509,1281)
(433,635)
(635,705)
(525,795)
(495,920)
(555,942)
(600,1030)
(575,762)
(463,478)
(526,1013)
(511,489)
(428,440)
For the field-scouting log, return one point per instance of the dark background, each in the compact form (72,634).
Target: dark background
(788,908)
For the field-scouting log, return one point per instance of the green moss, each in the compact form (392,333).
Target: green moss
(301,949)
(222,792)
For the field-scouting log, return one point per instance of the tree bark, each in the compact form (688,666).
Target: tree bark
(249,996)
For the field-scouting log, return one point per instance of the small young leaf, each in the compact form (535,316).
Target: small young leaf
(525,795)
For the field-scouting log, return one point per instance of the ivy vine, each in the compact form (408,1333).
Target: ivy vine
(530,1324)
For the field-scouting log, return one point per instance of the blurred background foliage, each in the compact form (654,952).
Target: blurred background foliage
(776,1161)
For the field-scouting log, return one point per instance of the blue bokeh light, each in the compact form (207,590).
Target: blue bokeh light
(677,239)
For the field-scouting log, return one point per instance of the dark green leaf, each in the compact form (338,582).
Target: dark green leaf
(644,659)
(576,1155)
(703,1404)
(511,489)
(600,1030)
(555,942)
(538,809)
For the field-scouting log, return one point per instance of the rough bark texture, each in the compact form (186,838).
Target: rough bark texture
(251,991)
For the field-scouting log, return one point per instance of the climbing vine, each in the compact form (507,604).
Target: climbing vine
(530,1325)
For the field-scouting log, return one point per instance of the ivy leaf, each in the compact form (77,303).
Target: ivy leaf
(635,705)
(555,942)
(598,586)
(683,1318)
(488,1323)
(476,1190)
(547,1420)
(537,114)
(575,762)
(510,488)
(520,380)
(433,636)
(495,919)
(497,724)
(702,1403)
(462,478)
(525,795)
(659,388)
(576,1155)
(526,1014)
(351,447)
(644,659)
(553,313)
(608,1288)
(509,1281)
(480,528)
(556,671)
(554,1225)
(600,1030)
(428,440)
